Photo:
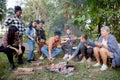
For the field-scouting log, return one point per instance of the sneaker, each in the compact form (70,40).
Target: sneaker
(104,67)
(66,56)
(29,61)
(96,65)
(41,57)
(83,60)
(88,60)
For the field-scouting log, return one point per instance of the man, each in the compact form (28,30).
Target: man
(67,43)
(41,38)
(53,46)
(16,21)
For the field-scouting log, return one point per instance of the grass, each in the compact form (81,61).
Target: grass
(84,71)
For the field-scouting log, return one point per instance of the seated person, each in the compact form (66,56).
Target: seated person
(11,43)
(107,47)
(53,46)
(67,43)
(85,48)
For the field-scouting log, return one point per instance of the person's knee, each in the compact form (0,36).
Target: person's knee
(102,50)
(96,50)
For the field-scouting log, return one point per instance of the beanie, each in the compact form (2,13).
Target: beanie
(57,33)
(17,8)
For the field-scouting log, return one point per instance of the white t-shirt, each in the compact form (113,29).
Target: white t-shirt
(104,42)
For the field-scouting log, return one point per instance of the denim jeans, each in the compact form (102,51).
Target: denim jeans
(55,51)
(31,45)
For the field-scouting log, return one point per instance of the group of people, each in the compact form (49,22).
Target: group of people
(105,47)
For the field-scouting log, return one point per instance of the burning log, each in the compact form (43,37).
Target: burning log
(62,68)
(37,63)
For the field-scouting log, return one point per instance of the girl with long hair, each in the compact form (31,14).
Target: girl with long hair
(31,33)
(12,44)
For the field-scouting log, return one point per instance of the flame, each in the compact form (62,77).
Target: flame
(52,65)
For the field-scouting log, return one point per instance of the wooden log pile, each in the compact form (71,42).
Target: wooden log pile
(28,70)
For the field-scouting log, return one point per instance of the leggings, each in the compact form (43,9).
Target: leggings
(9,52)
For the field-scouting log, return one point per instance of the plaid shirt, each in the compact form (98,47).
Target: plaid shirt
(5,42)
(16,22)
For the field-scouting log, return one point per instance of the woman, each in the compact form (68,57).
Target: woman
(31,33)
(85,49)
(41,38)
(11,43)
(107,46)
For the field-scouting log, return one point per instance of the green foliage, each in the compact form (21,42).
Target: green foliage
(10,11)
(2,9)
(83,71)
(4,72)
(85,16)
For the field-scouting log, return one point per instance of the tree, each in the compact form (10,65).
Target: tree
(10,11)
(83,16)
(2,9)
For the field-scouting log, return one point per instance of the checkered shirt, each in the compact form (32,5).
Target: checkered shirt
(16,22)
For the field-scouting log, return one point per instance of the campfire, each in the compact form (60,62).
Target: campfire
(64,68)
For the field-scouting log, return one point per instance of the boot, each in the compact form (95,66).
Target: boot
(20,61)
(12,66)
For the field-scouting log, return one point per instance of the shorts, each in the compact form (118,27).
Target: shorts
(111,55)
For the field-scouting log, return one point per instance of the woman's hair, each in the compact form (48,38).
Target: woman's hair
(11,34)
(30,25)
(106,28)
(68,28)
(84,36)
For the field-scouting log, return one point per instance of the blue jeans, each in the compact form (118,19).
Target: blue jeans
(55,51)
(31,45)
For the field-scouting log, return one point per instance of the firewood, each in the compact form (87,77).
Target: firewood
(25,69)
(22,73)
(36,63)
(38,68)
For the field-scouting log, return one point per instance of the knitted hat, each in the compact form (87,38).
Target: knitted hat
(57,33)
(17,8)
